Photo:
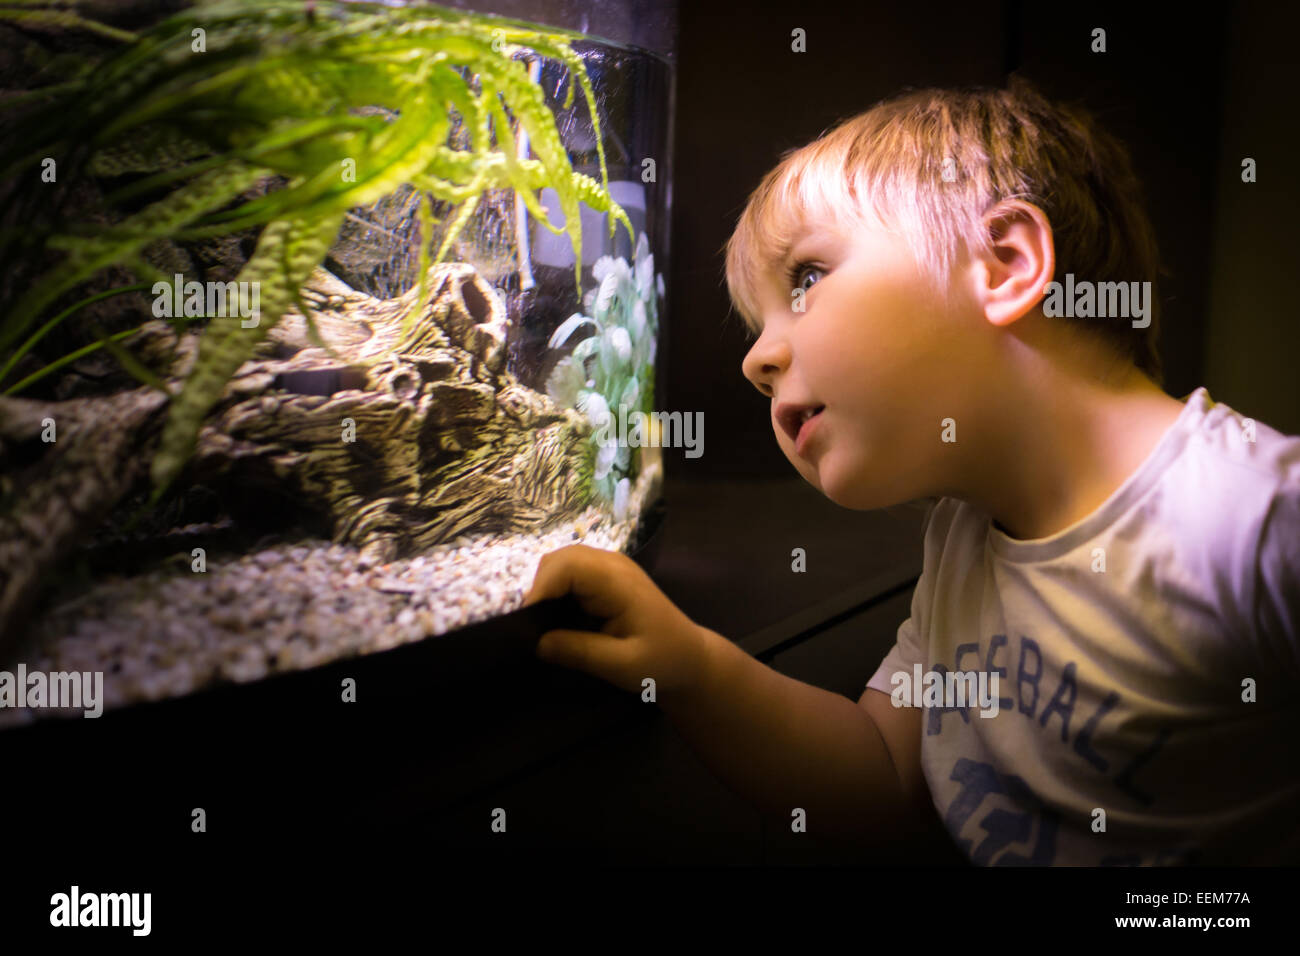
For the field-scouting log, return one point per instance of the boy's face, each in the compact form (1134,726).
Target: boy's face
(871,345)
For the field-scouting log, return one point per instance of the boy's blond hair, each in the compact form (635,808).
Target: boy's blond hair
(886,168)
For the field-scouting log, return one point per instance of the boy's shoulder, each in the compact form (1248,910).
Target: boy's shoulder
(1215,473)
(1213,515)
(1222,437)
(1233,493)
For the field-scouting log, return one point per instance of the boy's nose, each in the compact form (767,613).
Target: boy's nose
(767,360)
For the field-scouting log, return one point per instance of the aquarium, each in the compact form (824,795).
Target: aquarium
(319,319)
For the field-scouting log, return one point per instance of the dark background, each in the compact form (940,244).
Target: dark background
(1189,94)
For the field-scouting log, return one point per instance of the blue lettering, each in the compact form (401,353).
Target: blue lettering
(1004,703)
(1001,826)
(1083,742)
(1028,644)
(934,722)
(1063,701)
(962,650)
(977,781)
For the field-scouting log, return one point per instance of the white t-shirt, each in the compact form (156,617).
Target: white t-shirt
(1124,647)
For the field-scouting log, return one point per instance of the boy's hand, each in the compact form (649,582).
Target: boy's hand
(645,634)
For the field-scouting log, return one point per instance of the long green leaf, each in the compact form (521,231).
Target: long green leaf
(44,329)
(86,256)
(66,21)
(286,253)
(273,93)
(130,362)
(65,360)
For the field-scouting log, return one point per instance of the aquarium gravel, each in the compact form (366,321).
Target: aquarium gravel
(169,631)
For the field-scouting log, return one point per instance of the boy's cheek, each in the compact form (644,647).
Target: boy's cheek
(875,466)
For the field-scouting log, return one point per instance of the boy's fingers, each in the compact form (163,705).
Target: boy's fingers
(597,654)
(551,577)
(584,571)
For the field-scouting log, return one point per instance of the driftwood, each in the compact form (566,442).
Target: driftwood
(402,438)
(100,452)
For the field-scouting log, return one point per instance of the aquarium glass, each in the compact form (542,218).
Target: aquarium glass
(400,271)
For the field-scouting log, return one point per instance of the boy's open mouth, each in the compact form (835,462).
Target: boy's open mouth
(792,418)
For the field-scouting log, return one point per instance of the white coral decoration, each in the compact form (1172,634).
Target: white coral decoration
(615,278)
(631,394)
(638,323)
(623,310)
(621,342)
(603,267)
(620,499)
(645,268)
(566,328)
(605,458)
(594,406)
(566,383)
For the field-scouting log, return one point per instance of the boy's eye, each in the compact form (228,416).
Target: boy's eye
(801,273)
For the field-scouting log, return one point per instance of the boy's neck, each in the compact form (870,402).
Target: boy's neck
(1062,444)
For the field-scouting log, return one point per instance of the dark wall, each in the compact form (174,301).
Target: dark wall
(1158,88)
(743,97)
(1252,339)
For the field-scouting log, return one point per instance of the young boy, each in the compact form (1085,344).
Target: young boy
(1127,565)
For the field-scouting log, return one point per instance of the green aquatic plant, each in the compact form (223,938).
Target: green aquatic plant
(611,372)
(214,99)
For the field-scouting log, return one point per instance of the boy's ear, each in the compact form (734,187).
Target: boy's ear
(1014,278)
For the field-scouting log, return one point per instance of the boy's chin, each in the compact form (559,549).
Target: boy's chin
(854,500)
(851,490)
